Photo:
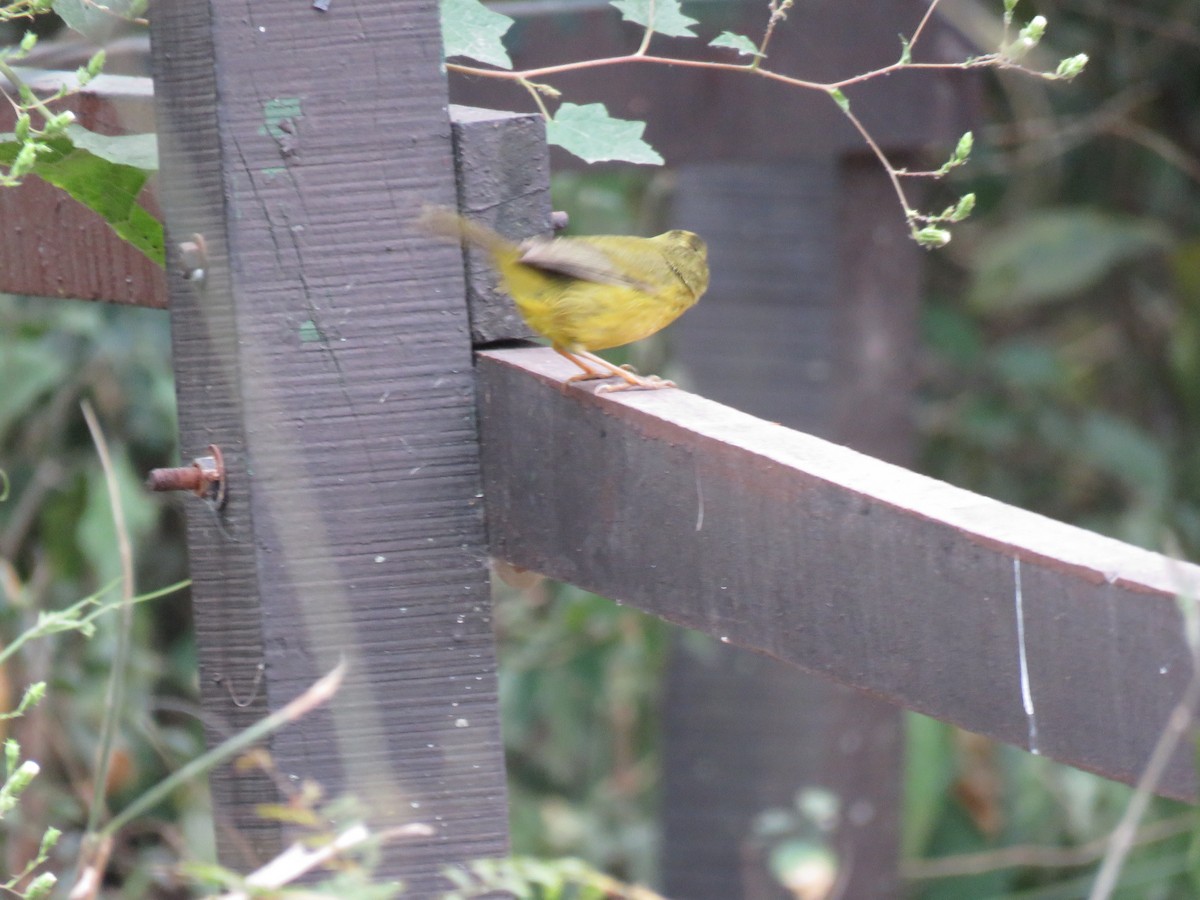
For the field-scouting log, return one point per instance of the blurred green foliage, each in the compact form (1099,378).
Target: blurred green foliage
(58,544)
(1062,374)
(579,686)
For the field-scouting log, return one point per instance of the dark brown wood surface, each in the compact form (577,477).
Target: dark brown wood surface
(326,350)
(1005,622)
(799,250)
(502,167)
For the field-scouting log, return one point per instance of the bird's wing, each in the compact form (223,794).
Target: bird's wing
(576,259)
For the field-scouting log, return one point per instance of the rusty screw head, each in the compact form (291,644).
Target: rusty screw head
(193,258)
(205,477)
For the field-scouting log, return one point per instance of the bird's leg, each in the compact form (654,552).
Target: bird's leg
(632,380)
(601,361)
(579,359)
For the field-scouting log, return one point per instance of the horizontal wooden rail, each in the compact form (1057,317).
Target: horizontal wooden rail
(1000,620)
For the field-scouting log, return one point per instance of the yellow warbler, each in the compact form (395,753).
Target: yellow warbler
(594,292)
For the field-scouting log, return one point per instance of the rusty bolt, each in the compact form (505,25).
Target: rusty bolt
(205,477)
(193,258)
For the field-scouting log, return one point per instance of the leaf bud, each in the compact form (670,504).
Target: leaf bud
(932,237)
(1071,66)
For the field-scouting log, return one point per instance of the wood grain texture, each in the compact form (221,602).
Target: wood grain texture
(327,351)
(502,168)
(875,321)
(761,339)
(844,565)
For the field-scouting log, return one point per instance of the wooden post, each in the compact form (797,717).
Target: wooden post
(321,340)
(813,293)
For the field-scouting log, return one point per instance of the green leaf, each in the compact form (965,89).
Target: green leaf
(661,16)
(594,136)
(962,150)
(931,236)
(471,29)
(98,21)
(137,150)
(743,45)
(1054,255)
(964,207)
(840,99)
(110,189)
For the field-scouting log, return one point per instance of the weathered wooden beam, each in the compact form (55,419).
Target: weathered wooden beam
(323,344)
(1005,622)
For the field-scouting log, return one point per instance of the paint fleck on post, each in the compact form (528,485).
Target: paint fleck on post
(309,332)
(277,112)
(1026,687)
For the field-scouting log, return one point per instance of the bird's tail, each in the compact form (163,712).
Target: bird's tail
(450,224)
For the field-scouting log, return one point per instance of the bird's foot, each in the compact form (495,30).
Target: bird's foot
(637,383)
(632,381)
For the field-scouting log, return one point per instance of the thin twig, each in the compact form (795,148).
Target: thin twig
(301,858)
(600,62)
(115,701)
(992,60)
(916,35)
(779,10)
(989,61)
(874,147)
(16,81)
(1031,856)
(70,619)
(537,98)
(645,45)
(1159,144)
(1178,725)
(320,692)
